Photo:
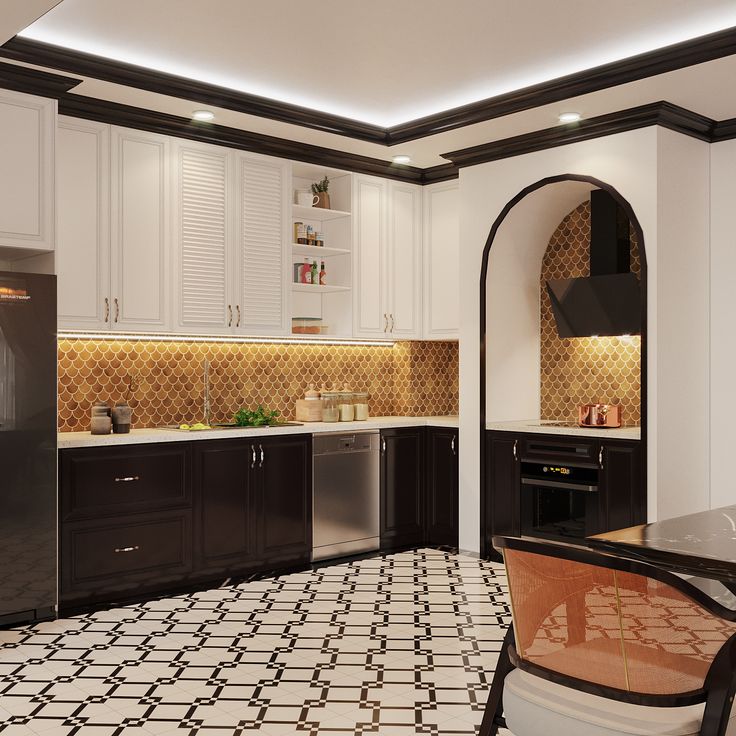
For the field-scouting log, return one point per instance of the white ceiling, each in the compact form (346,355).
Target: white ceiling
(384,61)
(15,15)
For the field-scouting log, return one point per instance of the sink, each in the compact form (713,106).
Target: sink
(212,428)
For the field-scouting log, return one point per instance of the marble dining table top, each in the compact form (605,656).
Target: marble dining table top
(702,544)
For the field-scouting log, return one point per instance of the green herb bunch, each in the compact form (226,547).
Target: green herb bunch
(321,186)
(258,418)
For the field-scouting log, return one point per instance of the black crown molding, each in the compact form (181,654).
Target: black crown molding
(90,108)
(35,82)
(663,114)
(130,75)
(670,58)
(725,130)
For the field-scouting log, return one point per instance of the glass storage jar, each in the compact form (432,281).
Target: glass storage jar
(330,406)
(346,406)
(360,402)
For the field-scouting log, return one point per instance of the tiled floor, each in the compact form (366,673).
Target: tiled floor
(398,645)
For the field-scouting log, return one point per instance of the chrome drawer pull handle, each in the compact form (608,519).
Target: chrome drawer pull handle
(127,549)
(253,451)
(127,479)
(263,456)
(452,446)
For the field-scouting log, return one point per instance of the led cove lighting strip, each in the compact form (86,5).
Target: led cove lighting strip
(153,337)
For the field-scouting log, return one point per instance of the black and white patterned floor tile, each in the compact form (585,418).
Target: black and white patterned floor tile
(395,646)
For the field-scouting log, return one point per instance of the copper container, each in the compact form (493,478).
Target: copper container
(599,415)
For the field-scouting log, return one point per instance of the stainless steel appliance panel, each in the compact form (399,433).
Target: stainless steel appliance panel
(346,502)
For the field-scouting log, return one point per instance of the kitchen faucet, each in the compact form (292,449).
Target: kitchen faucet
(207,392)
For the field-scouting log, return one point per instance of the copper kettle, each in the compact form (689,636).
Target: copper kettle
(599,415)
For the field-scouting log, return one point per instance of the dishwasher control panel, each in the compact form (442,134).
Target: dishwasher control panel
(348,442)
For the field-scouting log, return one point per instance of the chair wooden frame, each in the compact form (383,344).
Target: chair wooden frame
(719,687)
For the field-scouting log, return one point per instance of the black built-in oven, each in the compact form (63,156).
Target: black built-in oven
(559,500)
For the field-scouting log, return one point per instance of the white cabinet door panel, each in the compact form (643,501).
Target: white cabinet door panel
(27,133)
(369,241)
(82,224)
(202,234)
(263,232)
(140,230)
(441,262)
(405,261)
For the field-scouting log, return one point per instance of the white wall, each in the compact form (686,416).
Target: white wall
(678,403)
(640,165)
(723,322)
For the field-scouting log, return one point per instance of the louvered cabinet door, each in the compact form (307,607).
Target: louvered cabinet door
(262,238)
(203,185)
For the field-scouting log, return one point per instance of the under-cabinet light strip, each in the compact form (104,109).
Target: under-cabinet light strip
(165,337)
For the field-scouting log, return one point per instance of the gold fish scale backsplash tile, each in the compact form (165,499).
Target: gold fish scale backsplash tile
(581,370)
(410,378)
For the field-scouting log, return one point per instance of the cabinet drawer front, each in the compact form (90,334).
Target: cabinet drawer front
(100,556)
(552,448)
(101,482)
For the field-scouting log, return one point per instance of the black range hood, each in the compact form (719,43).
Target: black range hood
(608,302)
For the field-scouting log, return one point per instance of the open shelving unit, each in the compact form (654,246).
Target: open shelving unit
(332,302)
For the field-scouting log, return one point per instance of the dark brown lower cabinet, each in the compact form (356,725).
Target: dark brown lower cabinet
(442,487)
(283,480)
(621,495)
(225,509)
(171,514)
(402,487)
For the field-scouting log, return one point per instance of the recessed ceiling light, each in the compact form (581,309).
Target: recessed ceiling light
(401,158)
(204,116)
(569,117)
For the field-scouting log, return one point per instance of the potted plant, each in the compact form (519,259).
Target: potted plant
(320,189)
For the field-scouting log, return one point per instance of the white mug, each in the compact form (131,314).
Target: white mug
(305,198)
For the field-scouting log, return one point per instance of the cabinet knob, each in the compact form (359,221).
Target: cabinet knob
(127,479)
(134,548)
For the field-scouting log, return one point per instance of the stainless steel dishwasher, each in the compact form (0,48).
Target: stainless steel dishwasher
(346,494)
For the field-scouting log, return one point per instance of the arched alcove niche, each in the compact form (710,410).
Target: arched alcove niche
(510,299)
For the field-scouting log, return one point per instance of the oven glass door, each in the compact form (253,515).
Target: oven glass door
(558,513)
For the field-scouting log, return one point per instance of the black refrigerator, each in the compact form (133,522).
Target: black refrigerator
(27,447)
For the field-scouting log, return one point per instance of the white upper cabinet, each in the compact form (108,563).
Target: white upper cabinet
(203,236)
(27,132)
(388,259)
(441,261)
(404,261)
(82,224)
(370,222)
(262,245)
(140,230)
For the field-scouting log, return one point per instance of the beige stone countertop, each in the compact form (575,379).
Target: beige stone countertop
(68,440)
(544,427)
